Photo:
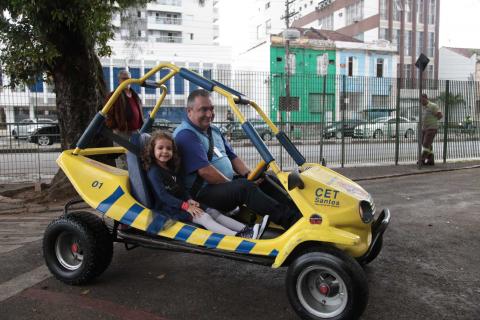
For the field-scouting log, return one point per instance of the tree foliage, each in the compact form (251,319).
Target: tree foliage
(36,34)
(453,99)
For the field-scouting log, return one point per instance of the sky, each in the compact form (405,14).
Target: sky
(459,23)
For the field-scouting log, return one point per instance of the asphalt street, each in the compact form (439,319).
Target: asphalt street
(428,268)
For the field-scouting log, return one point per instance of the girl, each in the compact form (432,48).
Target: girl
(161,162)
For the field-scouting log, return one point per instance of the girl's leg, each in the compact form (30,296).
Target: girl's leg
(225,221)
(208,222)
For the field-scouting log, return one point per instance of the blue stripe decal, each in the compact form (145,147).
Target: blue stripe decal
(157,223)
(184,233)
(274,253)
(131,214)
(214,240)
(107,203)
(245,246)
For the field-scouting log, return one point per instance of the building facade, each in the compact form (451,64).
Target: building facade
(411,25)
(183,32)
(359,72)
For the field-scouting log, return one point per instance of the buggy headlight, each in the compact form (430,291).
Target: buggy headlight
(367,211)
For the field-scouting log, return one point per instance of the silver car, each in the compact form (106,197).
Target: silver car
(25,127)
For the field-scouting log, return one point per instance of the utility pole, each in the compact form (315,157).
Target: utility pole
(287,17)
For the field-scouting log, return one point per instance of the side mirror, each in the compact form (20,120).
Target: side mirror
(295,180)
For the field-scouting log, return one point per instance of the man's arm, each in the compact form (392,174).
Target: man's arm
(211,175)
(240,167)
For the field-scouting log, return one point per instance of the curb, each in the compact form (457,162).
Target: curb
(416,173)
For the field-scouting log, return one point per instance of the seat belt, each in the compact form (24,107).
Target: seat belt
(197,184)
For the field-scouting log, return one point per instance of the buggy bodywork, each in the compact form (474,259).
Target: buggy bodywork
(338,215)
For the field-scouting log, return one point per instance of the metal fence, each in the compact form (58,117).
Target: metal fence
(347,121)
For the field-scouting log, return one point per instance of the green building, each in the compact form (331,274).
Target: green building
(306,82)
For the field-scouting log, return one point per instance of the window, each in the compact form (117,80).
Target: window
(419,48)
(322,64)
(354,12)
(139,14)
(326,23)
(191,36)
(315,102)
(382,34)
(350,66)
(420,12)
(408,10)
(408,43)
(291,61)
(432,12)
(431,44)
(259,31)
(383,9)
(268,26)
(267,5)
(139,33)
(379,67)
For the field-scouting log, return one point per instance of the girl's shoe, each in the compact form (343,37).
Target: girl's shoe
(263,226)
(249,232)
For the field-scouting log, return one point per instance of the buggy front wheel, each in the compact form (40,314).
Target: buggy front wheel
(77,247)
(327,285)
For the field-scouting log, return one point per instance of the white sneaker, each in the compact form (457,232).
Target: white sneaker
(256,229)
(263,226)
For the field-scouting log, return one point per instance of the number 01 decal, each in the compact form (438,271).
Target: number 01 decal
(97,184)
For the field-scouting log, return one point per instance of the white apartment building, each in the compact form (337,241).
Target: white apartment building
(183,32)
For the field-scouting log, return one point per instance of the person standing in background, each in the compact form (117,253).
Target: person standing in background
(126,116)
(430,116)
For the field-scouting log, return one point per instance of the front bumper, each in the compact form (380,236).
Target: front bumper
(378,228)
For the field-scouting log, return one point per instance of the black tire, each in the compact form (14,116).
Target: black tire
(344,279)
(14,134)
(77,247)
(266,136)
(378,134)
(377,248)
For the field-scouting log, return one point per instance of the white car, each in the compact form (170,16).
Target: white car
(386,127)
(25,127)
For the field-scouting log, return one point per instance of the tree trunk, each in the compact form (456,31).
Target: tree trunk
(80,93)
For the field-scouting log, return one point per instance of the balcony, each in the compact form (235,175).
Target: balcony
(164,23)
(167,39)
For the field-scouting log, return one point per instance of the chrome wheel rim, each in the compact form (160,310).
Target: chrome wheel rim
(43,140)
(68,251)
(321,291)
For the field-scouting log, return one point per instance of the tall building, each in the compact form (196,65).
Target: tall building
(170,21)
(183,32)
(412,25)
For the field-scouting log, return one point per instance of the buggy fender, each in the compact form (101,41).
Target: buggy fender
(320,235)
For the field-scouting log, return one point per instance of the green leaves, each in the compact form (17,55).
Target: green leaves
(35,33)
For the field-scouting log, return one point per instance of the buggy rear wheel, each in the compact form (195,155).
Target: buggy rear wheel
(77,247)
(327,285)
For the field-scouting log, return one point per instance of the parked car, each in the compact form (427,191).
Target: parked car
(164,124)
(25,127)
(235,131)
(335,129)
(386,127)
(46,135)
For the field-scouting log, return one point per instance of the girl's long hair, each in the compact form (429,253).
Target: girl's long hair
(148,156)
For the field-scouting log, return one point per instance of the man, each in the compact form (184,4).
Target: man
(126,116)
(209,164)
(430,116)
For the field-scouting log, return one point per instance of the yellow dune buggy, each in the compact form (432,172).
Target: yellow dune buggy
(324,250)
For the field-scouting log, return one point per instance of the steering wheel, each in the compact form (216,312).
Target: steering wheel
(258,171)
